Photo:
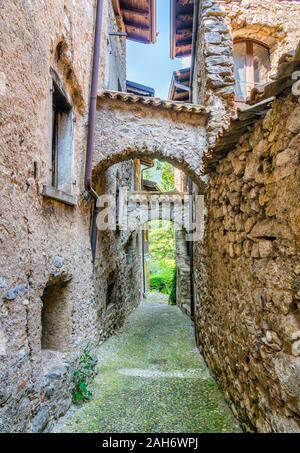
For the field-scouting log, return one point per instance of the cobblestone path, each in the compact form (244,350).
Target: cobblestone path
(152,379)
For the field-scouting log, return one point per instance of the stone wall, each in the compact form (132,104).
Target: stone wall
(47,279)
(183,273)
(213,78)
(247,272)
(128,130)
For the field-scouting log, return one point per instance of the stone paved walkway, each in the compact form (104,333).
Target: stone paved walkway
(153,380)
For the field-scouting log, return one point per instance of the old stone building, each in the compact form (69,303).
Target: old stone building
(246,269)
(234,131)
(55,300)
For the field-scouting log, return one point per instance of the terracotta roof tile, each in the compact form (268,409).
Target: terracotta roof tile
(177,106)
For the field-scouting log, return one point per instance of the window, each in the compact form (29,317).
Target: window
(62,141)
(251,67)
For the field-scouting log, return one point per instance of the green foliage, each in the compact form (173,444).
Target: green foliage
(83,377)
(162,282)
(172,297)
(167,182)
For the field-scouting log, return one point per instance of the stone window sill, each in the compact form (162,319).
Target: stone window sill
(59,195)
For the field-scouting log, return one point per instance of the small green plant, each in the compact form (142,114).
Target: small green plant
(162,282)
(83,377)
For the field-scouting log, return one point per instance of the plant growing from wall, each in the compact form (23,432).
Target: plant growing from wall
(83,376)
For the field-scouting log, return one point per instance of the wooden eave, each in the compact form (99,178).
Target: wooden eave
(137,18)
(180,85)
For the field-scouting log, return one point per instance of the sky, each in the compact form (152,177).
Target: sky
(150,64)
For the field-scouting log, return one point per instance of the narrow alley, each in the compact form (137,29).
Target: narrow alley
(149,148)
(152,379)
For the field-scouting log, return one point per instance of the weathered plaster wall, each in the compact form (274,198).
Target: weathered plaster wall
(39,238)
(118,258)
(247,272)
(44,242)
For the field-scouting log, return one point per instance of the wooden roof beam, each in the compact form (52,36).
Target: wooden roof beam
(119,16)
(139,12)
(184,42)
(185,18)
(136,25)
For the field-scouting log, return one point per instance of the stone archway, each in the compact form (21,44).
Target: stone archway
(129,127)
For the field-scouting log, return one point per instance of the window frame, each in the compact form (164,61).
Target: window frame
(53,160)
(250,82)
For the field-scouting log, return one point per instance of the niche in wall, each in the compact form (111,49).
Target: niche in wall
(56,316)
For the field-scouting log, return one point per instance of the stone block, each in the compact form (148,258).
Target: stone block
(238,166)
(234,198)
(265,248)
(270,229)
(218,50)
(213,37)
(18,290)
(296,348)
(251,170)
(293,121)
(58,262)
(40,421)
(289,156)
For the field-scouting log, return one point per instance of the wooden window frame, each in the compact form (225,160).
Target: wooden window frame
(249,64)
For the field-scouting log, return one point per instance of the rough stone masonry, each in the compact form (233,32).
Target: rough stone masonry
(54,301)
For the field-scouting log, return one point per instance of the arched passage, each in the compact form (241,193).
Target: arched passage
(129,127)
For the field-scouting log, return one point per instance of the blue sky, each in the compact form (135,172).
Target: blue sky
(150,64)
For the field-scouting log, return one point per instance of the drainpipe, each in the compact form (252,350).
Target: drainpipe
(91,120)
